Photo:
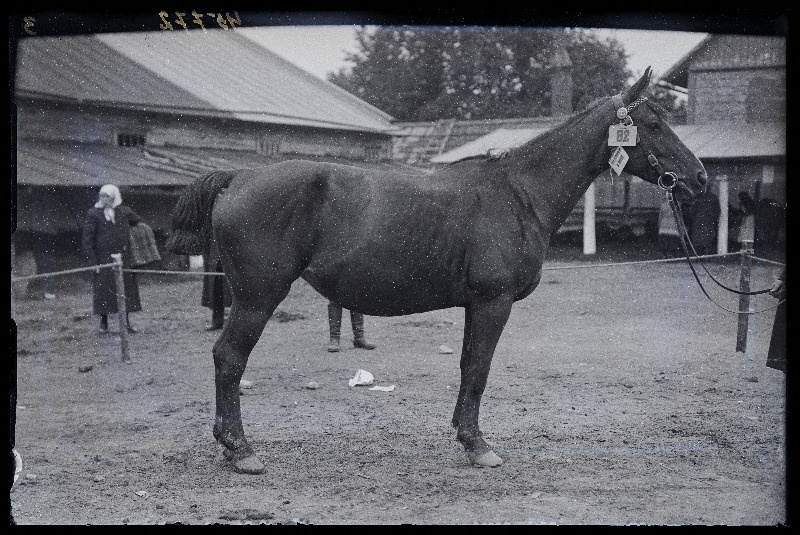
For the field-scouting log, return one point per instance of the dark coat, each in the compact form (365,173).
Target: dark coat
(101,239)
(770,223)
(776,354)
(702,216)
(211,283)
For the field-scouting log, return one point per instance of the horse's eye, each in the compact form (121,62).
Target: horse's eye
(654,125)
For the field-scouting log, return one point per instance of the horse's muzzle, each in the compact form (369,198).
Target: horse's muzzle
(689,188)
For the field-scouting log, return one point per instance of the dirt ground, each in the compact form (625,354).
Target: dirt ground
(616,396)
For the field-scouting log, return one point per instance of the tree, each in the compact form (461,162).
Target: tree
(429,73)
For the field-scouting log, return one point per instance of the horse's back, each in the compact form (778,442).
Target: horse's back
(408,242)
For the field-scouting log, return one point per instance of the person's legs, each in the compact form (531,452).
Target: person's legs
(103,323)
(335,326)
(357,320)
(217,305)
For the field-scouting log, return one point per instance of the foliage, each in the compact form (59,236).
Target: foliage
(430,73)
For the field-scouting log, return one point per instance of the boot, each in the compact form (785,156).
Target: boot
(357,320)
(335,325)
(103,323)
(217,318)
(131,328)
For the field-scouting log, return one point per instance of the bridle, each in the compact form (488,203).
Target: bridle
(667,180)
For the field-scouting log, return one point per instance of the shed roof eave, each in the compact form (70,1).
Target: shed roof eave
(247,116)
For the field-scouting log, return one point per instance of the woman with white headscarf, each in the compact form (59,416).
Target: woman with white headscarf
(106,231)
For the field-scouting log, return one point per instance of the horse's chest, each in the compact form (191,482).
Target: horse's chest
(507,267)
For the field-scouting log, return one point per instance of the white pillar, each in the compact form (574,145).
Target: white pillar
(722,226)
(589,235)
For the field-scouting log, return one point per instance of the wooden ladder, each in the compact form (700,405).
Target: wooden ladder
(433,142)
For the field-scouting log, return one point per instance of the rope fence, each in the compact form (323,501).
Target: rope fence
(745,256)
(545,268)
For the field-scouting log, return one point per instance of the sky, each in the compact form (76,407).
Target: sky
(322,49)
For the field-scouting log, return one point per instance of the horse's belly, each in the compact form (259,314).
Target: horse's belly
(388,293)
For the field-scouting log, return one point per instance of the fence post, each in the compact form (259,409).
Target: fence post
(744,300)
(122,309)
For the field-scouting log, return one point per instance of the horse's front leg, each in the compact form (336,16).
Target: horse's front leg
(486,323)
(231,351)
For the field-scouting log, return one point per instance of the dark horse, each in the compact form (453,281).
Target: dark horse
(385,243)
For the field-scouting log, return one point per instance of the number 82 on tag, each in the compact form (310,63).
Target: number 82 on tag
(620,135)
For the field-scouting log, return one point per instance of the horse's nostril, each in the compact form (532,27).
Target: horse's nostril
(702,178)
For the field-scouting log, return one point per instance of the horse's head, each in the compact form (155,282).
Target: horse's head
(654,151)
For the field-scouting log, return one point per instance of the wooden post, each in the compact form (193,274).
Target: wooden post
(589,235)
(122,310)
(722,227)
(744,300)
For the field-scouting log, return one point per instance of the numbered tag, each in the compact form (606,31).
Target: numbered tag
(618,160)
(620,135)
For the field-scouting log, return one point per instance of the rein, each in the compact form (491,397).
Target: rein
(667,180)
(684,236)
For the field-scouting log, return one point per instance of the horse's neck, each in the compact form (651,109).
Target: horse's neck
(560,167)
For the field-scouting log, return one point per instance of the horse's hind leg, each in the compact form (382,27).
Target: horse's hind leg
(231,351)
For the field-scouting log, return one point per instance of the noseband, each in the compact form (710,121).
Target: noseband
(666,179)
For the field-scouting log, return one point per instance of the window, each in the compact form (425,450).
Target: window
(130,140)
(268,147)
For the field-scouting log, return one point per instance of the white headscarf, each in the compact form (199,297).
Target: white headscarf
(116,199)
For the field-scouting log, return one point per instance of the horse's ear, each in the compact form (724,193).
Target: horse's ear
(638,88)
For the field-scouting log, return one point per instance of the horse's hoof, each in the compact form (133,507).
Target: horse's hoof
(249,465)
(488,459)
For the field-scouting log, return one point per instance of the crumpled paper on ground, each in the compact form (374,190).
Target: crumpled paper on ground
(362,377)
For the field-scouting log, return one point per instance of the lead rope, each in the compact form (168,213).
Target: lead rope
(676,212)
(667,181)
(694,251)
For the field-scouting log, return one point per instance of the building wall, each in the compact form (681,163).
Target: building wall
(88,125)
(752,96)
(49,219)
(738,78)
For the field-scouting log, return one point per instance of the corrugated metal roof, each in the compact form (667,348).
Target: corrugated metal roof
(52,163)
(733,140)
(410,136)
(216,72)
(709,141)
(502,138)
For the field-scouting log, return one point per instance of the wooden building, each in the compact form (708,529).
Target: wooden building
(737,119)
(736,125)
(617,202)
(150,112)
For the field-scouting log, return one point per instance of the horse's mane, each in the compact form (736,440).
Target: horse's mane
(659,110)
(542,142)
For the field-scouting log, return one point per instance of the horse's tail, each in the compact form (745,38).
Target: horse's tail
(191,217)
